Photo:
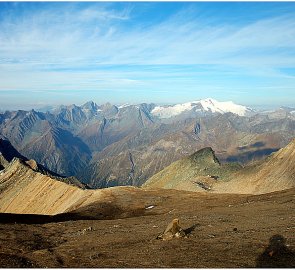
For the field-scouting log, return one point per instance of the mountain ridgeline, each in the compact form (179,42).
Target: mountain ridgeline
(107,145)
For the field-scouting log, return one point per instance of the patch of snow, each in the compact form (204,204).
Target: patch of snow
(150,207)
(223,107)
(169,111)
(207,105)
(124,105)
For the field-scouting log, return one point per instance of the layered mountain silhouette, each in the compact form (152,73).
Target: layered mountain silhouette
(107,145)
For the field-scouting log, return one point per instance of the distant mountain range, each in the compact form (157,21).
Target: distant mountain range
(107,145)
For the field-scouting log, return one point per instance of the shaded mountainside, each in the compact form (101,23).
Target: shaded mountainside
(60,151)
(8,154)
(36,137)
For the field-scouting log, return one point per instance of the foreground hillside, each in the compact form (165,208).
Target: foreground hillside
(223,231)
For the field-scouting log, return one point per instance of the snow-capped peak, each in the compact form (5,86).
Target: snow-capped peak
(203,105)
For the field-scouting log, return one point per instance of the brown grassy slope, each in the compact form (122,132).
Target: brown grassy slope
(276,173)
(23,190)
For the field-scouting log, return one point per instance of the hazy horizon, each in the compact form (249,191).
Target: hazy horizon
(45,107)
(55,53)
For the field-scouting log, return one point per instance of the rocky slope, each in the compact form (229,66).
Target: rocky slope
(24,190)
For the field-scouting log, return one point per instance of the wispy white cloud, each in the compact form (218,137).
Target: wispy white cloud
(92,34)
(87,48)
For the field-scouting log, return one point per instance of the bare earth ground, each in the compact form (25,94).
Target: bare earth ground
(226,231)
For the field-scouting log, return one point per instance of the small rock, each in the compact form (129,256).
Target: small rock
(173,230)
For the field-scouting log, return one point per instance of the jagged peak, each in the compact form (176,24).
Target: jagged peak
(89,105)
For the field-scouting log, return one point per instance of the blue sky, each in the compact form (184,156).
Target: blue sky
(163,52)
